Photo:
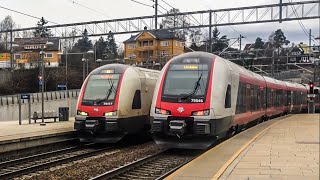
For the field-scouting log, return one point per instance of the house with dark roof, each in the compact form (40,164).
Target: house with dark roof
(27,52)
(152,46)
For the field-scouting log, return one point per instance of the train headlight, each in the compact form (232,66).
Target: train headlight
(162,111)
(201,113)
(82,113)
(113,113)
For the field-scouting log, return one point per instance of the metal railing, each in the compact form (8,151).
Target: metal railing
(36,97)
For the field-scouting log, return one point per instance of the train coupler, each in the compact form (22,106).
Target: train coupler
(178,127)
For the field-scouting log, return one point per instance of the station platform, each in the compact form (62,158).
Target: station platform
(282,148)
(14,136)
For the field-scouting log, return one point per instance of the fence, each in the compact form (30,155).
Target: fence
(36,97)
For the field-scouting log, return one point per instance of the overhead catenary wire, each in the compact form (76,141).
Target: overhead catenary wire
(304,29)
(25,14)
(89,8)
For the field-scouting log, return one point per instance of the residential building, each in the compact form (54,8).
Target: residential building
(26,53)
(4,60)
(152,46)
(301,53)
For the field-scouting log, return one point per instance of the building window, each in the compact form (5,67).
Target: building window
(131,46)
(17,56)
(48,55)
(164,43)
(177,43)
(132,56)
(164,53)
(145,43)
(181,44)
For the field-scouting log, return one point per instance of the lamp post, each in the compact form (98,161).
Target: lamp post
(98,61)
(12,55)
(89,52)
(83,67)
(43,79)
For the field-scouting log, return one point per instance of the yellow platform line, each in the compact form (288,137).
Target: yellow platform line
(224,167)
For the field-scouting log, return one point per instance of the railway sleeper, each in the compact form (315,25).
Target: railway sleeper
(130,175)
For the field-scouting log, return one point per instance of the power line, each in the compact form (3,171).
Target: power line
(22,13)
(300,23)
(142,3)
(86,7)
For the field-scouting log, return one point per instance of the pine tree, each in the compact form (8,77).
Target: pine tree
(42,31)
(280,39)
(111,48)
(259,43)
(84,44)
(218,43)
(101,46)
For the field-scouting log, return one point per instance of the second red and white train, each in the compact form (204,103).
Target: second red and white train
(200,97)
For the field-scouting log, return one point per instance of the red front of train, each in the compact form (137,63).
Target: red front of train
(98,105)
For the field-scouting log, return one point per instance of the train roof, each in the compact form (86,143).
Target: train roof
(116,68)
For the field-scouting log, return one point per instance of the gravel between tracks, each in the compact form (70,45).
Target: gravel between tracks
(85,169)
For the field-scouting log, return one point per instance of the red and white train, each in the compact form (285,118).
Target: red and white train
(114,101)
(200,97)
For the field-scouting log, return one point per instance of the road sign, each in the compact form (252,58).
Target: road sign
(25,96)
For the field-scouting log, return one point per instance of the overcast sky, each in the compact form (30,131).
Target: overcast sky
(65,11)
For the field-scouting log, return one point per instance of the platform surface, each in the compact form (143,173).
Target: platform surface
(11,130)
(282,148)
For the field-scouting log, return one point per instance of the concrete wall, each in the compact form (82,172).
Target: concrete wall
(9,105)
(5,76)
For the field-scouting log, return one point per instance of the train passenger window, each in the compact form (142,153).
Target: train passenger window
(227,103)
(136,103)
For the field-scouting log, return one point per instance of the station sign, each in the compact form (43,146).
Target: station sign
(311,95)
(25,96)
(61,86)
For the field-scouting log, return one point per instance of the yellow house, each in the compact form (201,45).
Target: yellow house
(27,53)
(5,60)
(153,46)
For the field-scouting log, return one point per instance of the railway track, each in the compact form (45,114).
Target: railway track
(156,166)
(26,165)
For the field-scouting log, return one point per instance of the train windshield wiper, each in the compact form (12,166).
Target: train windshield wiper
(109,91)
(195,89)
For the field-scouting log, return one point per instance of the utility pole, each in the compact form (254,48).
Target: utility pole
(314,63)
(240,43)
(280,11)
(210,32)
(272,65)
(156,15)
(11,50)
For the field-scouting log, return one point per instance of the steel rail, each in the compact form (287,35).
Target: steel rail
(27,165)
(155,166)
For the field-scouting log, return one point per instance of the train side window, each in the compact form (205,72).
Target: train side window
(136,103)
(227,103)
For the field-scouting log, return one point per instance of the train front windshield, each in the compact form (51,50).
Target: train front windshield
(101,90)
(186,83)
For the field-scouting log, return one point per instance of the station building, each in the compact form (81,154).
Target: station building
(152,46)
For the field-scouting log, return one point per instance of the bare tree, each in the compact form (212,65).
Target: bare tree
(6,24)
